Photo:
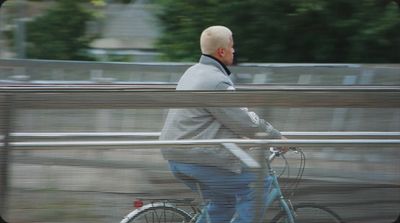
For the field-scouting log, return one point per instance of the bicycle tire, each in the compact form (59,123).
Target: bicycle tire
(309,213)
(158,212)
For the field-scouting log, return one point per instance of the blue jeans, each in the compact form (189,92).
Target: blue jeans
(227,192)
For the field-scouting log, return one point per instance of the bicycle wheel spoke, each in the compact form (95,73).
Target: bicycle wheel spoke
(161,214)
(309,214)
(313,215)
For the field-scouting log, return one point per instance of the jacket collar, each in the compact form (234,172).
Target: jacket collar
(210,60)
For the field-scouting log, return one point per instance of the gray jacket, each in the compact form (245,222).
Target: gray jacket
(210,123)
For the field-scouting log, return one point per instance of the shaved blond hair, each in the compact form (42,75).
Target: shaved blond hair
(215,37)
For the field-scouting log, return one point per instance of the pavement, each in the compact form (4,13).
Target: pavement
(369,203)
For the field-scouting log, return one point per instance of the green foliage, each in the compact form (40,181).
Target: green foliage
(59,33)
(364,31)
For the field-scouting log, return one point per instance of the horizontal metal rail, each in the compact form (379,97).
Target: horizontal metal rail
(149,87)
(163,65)
(90,65)
(331,97)
(342,135)
(315,135)
(232,145)
(84,134)
(207,143)
(129,65)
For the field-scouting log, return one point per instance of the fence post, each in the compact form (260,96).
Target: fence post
(6,106)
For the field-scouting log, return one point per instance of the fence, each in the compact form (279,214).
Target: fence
(345,109)
(61,75)
(19,98)
(77,72)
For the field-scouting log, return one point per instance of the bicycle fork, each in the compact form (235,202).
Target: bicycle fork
(289,209)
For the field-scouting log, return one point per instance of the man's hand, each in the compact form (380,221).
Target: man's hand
(283,149)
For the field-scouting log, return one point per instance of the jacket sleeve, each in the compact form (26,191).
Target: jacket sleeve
(242,121)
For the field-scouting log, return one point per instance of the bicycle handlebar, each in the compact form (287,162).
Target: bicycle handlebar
(276,153)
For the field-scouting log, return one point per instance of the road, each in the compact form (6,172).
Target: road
(366,203)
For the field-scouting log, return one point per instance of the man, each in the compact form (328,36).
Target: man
(218,174)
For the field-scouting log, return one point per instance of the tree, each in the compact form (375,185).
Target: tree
(362,31)
(1,2)
(59,33)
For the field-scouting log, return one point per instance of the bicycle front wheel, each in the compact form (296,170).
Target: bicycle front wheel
(309,213)
(158,212)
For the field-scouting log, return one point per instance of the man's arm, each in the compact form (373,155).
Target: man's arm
(241,121)
(244,123)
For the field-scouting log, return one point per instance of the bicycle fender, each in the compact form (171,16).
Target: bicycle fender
(132,214)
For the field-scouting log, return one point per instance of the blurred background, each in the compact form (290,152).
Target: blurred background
(151,30)
(100,46)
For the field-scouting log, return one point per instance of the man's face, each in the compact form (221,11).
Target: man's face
(225,55)
(229,53)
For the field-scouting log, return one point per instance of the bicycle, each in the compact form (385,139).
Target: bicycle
(167,211)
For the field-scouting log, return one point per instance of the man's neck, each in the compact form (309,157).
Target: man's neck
(222,64)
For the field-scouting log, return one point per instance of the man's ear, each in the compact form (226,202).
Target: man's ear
(221,52)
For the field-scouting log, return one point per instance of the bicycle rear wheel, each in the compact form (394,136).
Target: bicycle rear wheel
(158,212)
(309,213)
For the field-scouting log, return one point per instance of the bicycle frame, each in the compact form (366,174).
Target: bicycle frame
(273,195)
(276,194)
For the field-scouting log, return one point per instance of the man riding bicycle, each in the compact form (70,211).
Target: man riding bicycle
(221,177)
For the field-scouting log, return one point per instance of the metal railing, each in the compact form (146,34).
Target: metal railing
(81,72)
(155,135)
(116,97)
(31,141)
(232,145)
(146,96)
(188,143)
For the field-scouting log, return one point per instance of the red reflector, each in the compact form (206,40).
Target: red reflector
(138,203)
